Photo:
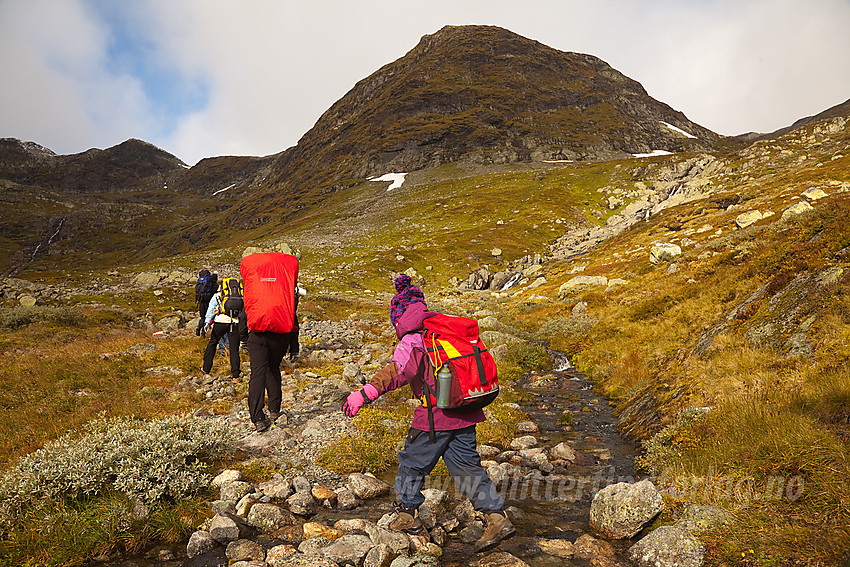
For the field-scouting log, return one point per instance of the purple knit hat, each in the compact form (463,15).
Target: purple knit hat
(406,294)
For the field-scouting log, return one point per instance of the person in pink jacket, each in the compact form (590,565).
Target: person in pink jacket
(454,430)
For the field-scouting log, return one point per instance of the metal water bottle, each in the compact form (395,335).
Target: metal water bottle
(444,387)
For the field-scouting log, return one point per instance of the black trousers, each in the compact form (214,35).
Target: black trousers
(218,331)
(202,311)
(266,350)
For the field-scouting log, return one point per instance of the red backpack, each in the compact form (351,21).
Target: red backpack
(454,341)
(269,291)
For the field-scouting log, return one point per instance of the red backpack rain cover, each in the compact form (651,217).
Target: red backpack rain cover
(454,341)
(269,279)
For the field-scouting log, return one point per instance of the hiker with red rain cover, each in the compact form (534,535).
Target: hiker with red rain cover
(454,437)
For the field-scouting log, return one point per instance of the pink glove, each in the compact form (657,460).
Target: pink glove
(357,399)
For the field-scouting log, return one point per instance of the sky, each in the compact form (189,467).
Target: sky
(204,78)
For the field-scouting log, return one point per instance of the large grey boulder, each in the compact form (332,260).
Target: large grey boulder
(668,546)
(236,490)
(578,284)
(302,504)
(621,510)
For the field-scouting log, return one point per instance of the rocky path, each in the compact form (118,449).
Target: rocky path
(310,516)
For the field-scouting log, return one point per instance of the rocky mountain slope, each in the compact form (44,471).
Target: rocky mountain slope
(477,95)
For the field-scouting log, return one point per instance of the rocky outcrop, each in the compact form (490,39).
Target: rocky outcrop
(621,510)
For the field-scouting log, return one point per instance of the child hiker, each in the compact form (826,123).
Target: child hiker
(454,430)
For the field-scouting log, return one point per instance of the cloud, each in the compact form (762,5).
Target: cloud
(56,89)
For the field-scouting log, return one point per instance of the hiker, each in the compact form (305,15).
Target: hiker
(452,437)
(225,317)
(270,296)
(205,288)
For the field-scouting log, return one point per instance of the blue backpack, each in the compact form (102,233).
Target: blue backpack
(206,286)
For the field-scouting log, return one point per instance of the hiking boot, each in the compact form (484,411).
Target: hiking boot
(498,527)
(273,415)
(262,426)
(407,522)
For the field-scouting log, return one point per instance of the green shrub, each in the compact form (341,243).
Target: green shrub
(20,316)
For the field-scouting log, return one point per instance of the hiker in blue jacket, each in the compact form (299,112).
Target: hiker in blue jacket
(223,319)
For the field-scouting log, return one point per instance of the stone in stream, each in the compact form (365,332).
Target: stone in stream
(524,442)
(245,550)
(200,542)
(302,504)
(501,559)
(668,546)
(365,487)
(621,510)
(350,548)
(224,529)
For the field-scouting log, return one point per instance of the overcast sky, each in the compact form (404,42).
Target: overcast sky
(203,78)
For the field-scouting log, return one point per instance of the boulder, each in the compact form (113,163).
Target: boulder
(416,561)
(345,499)
(315,529)
(524,442)
(245,550)
(276,555)
(269,517)
(379,556)
(350,548)
(621,510)
(813,194)
(277,487)
(664,252)
(224,477)
(236,490)
(578,284)
(200,542)
(302,504)
(796,209)
(224,529)
(365,486)
(479,279)
(668,546)
(746,219)
(563,452)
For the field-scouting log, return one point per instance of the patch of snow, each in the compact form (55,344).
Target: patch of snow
(396,179)
(557,161)
(225,189)
(679,130)
(184,166)
(654,153)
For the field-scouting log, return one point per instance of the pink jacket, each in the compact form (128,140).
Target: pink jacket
(410,364)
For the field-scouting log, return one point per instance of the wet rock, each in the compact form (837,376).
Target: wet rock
(302,504)
(556,547)
(668,546)
(588,547)
(697,519)
(350,548)
(563,452)
(245,550)
(200,542)
(366,487)
(501,559)
(224,529)
(621,510)
(323,493)
(269,517)
(314,529)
